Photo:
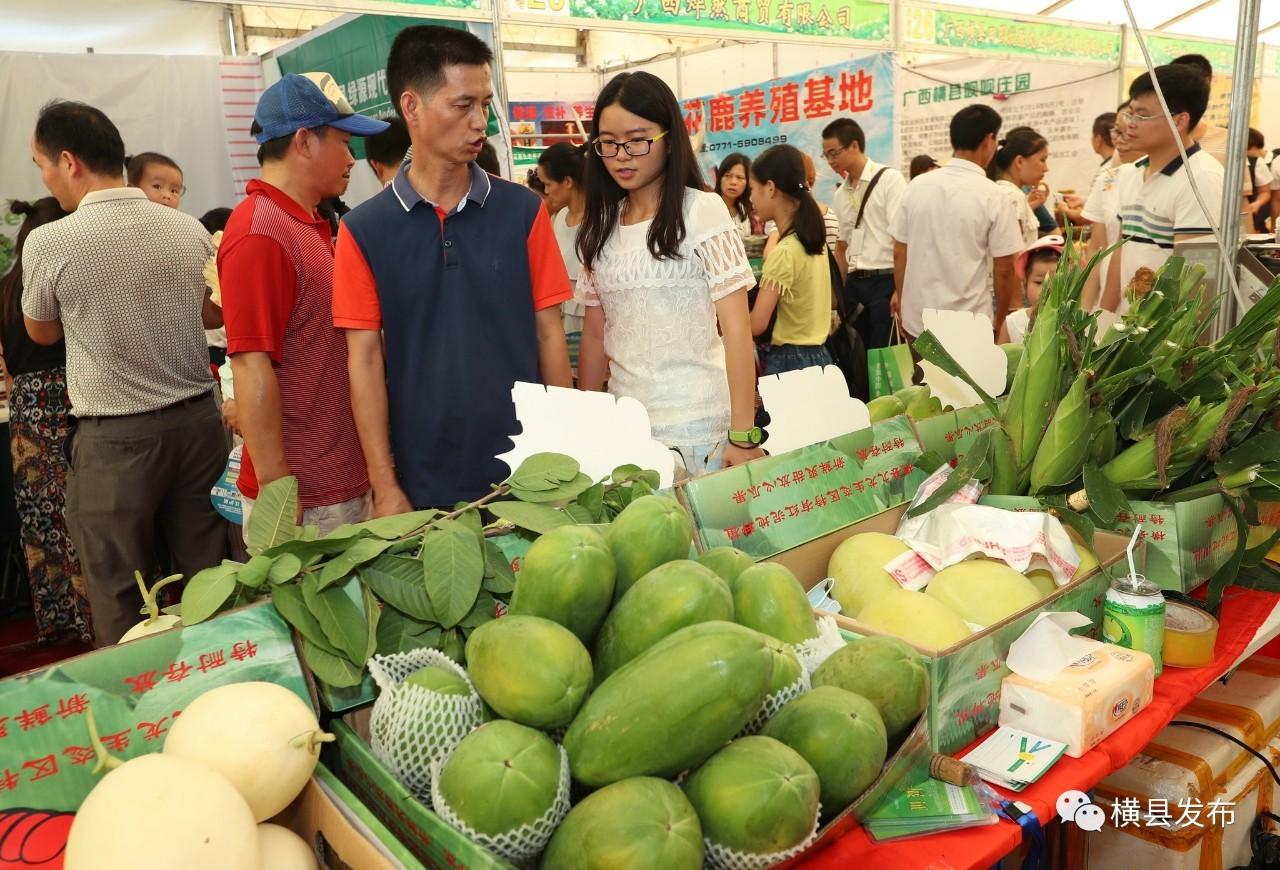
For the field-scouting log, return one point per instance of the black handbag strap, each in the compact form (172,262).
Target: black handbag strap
(871,185)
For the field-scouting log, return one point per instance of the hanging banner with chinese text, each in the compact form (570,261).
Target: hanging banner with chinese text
(841,19)
(542,124)
(969,31)
(794,110)
(1058,100)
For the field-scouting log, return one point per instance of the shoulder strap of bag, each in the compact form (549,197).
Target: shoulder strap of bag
(875,179)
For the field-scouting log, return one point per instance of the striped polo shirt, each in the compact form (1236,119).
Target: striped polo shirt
(275,265)
(455,294)
(1155,210)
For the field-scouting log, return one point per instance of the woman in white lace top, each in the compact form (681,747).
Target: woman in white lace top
(665,280)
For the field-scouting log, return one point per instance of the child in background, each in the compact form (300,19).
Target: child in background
(157,176)
(796,279)
(560,170)
(1033,266)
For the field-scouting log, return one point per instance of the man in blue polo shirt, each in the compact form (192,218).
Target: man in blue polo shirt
(458,273)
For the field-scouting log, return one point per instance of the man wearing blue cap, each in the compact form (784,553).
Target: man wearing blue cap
(275,266)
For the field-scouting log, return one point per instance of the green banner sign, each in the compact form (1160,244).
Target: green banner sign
(969,31)
(774,504)
(1165,48)
(841,19)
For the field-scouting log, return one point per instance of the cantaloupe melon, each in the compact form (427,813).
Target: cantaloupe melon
(983,591)
(916,618)
(857,566)
(282,849)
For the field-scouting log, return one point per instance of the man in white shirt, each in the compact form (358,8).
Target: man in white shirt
(953,230)
(865,204)
(1263,180)
(1157,205)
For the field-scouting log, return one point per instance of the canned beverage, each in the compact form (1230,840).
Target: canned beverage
(1133,616)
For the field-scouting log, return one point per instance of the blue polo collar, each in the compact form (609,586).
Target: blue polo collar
(478,192)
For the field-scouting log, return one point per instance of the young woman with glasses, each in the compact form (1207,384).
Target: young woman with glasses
(665,280)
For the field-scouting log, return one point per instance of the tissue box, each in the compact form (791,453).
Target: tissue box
(1086,702)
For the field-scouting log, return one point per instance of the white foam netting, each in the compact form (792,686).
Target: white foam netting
(776,702)
(817,650)
(523,845)
(412,727)
(724,858)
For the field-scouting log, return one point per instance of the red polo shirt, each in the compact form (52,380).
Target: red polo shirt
(275,265)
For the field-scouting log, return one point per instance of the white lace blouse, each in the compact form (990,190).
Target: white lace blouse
(660,330)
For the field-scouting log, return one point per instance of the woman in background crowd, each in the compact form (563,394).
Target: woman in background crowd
(560,169)
(731,184)
(1022,162)
(39,413)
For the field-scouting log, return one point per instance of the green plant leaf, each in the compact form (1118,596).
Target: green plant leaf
(471,519)
(499,578)
(453,565)
(288,600)
(254,574)
(308,551)
(284,568)
(529,483)
(622,472)
(451,644)
(363,550)
(372,614)
(592,499)
(480,612)
(969,467)
(400,633)
(339,616)
(1260,450)
(397,526)
(274,519)
(650,479)
(555,467)
(579,514)
(562,492)
(534,517)
(1106,499)
(335,670)
(207,591)
(398,581)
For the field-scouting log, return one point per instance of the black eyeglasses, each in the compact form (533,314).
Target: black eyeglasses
(633,147)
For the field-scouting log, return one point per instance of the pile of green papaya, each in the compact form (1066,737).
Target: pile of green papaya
(645,667)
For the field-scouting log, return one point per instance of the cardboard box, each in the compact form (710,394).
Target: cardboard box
(965,678)
(1186,543)
(135,690)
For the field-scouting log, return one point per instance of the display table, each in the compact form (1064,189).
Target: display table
(1249,621)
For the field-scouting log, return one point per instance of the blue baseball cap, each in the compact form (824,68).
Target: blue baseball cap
(307,101)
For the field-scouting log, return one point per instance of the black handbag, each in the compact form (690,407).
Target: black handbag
(848,350)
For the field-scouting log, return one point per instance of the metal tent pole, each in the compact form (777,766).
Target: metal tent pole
(1237,144)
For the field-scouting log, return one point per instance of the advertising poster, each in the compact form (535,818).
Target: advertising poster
(794,109)
(1059,100)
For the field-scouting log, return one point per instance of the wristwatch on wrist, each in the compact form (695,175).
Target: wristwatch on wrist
(747,438)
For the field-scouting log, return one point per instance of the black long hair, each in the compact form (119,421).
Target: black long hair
(564,160)
(648,96)
(1018,142)
(743,205)
(42,211)
(784,166)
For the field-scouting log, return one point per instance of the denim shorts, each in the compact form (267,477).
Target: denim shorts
(781,358)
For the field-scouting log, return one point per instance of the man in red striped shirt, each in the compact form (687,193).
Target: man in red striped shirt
(275,266)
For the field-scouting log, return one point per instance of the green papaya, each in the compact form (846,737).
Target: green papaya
(567,577)
(672,706)
(887,672)
(642,823)
(529,669)
(728,562)
(769,598)
(841,736)
(440,679)
(786,665)
(668,598)
(500,777)
(757,795)
(651,531)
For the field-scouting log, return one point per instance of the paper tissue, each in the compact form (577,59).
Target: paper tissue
(1072,689)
